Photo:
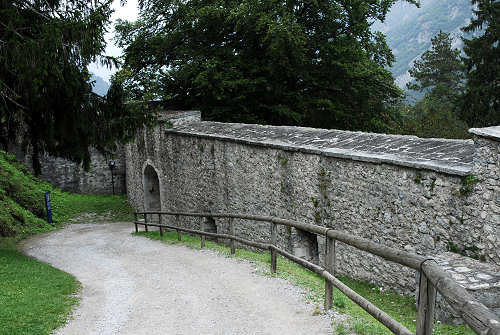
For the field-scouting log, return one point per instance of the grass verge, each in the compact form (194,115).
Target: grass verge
(23,208)
(35,298)
(90,208)
(401,308)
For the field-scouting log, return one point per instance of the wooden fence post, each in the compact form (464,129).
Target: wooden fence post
(178,231)
(231,232)
(274,231)
(145,222)
(202,228)
(135,222)
(159,222)
(330,267)
(426,303)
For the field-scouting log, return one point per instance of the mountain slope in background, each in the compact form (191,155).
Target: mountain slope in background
(101,86)
(409,30)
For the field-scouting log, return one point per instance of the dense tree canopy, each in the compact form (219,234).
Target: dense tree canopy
(281,62)
(45,94)
(439,73)
(434,116)
(481,103)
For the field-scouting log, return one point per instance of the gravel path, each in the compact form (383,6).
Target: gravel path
(133,285)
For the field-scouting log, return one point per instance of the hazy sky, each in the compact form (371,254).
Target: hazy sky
(127,12)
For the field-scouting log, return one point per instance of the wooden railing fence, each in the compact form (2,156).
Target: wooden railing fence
(432,277)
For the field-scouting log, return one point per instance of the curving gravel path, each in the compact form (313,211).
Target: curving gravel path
(133,285)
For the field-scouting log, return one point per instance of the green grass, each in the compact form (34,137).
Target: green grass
(23,208)
(341,330)
(68,206)
(400,307)
(35,298)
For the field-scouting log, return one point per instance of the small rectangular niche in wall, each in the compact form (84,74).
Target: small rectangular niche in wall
(305,245)
(210,227)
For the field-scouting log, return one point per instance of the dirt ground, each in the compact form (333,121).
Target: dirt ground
(133,285)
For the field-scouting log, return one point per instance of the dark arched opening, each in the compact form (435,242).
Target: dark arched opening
(151,190)
(210,227)
(306,246)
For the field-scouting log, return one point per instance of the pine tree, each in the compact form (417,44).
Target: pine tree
(438,73)
(481,102)
(45,94)
(440,68)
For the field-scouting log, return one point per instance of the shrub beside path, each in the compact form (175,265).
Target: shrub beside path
(133,285)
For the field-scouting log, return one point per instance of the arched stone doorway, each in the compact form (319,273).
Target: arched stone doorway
(152,201)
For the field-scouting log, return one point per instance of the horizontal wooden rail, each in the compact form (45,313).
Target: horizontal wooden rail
(259,245)
(476,315)
(373,310)
(404,258)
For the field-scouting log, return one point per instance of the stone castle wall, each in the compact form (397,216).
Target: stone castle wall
(486,198)
(400,191)
(71,177)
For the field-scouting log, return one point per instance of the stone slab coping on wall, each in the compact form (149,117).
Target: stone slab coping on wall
(489,132)
(482,280)
(441,155)
(470,273)
(178,114)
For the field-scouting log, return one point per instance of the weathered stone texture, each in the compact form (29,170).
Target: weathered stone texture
(406,196)
(441,155)
(486,196)
(71,177)
(180,117)
(481,280)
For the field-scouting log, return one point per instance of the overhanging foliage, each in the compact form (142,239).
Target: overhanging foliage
(45,94)
(313,63)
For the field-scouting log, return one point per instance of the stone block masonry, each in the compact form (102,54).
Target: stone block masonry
(486,195)
(426,196)
(482,280)
(71,177)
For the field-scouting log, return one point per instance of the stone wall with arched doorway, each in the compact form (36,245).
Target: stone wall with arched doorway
(152,200)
